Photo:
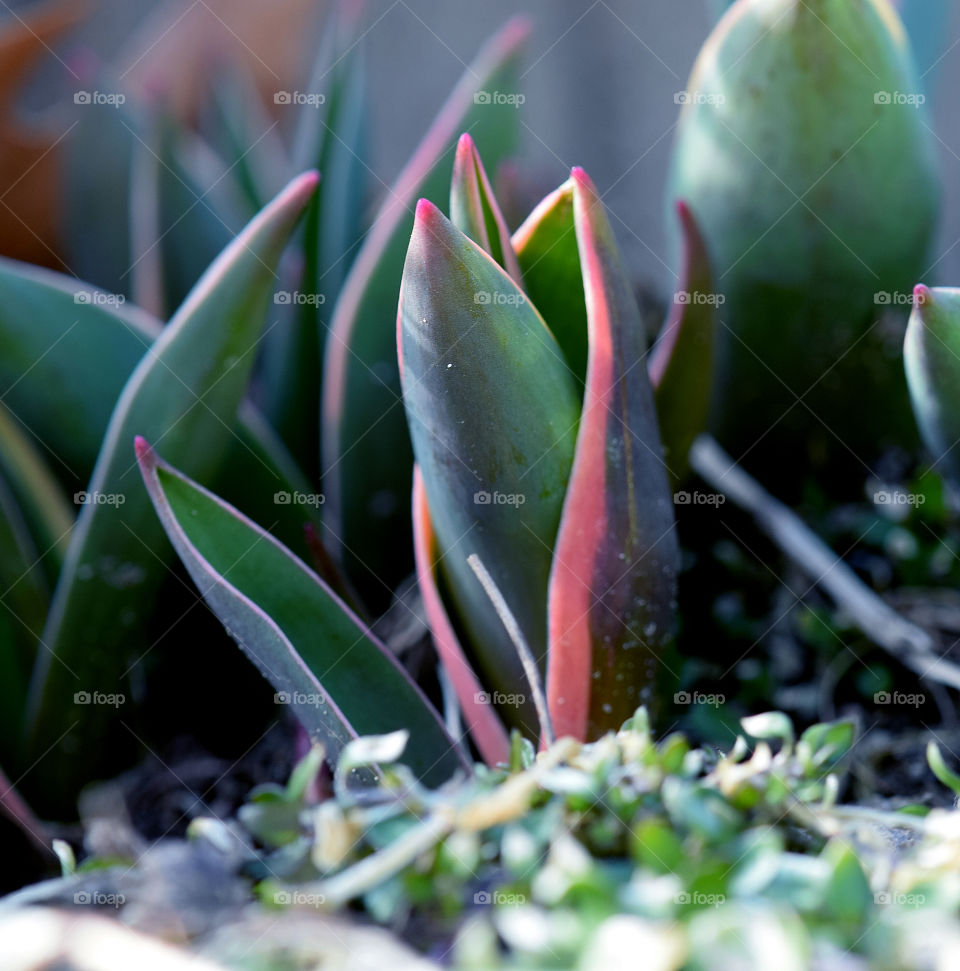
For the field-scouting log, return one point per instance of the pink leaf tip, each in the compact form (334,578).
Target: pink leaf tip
(142,447)
(922,295)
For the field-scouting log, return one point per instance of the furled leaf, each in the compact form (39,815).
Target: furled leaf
(932,360)
(481,718)
(613,582)
(546,246)
(341,681)
(366,459)
(492,410)
(30,157)
(925,21)
(681,366)
(474,209)
(45,508)
(185,393)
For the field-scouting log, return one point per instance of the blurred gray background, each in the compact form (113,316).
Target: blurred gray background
(600,80)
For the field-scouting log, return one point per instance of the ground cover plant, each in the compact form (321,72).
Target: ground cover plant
(577,620)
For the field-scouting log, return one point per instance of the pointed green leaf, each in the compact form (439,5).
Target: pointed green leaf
(932,360)
(546,246)
(492,410)
(475,211)
(681,365)
(341,681)
(185,393)
(481,718)
(613,582)
(367,460)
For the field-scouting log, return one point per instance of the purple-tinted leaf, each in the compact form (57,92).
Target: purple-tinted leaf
(492,409)
(612,586)
(681,366)
(481,717)
(474,209)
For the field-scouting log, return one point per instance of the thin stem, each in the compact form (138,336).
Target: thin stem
(910,644)
(519,642)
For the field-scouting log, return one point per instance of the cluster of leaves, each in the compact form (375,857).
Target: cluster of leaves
(588,853)
(229,386)
(695,858)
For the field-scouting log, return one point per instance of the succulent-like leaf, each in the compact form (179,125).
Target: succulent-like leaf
(681,365)
(474,209)
(815,200)
(321,659)
(925,21)
(367,460)
(492,409)
(44,505)
(185,393)
(481,717)
(932,360)
(613,582)
(546,246)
